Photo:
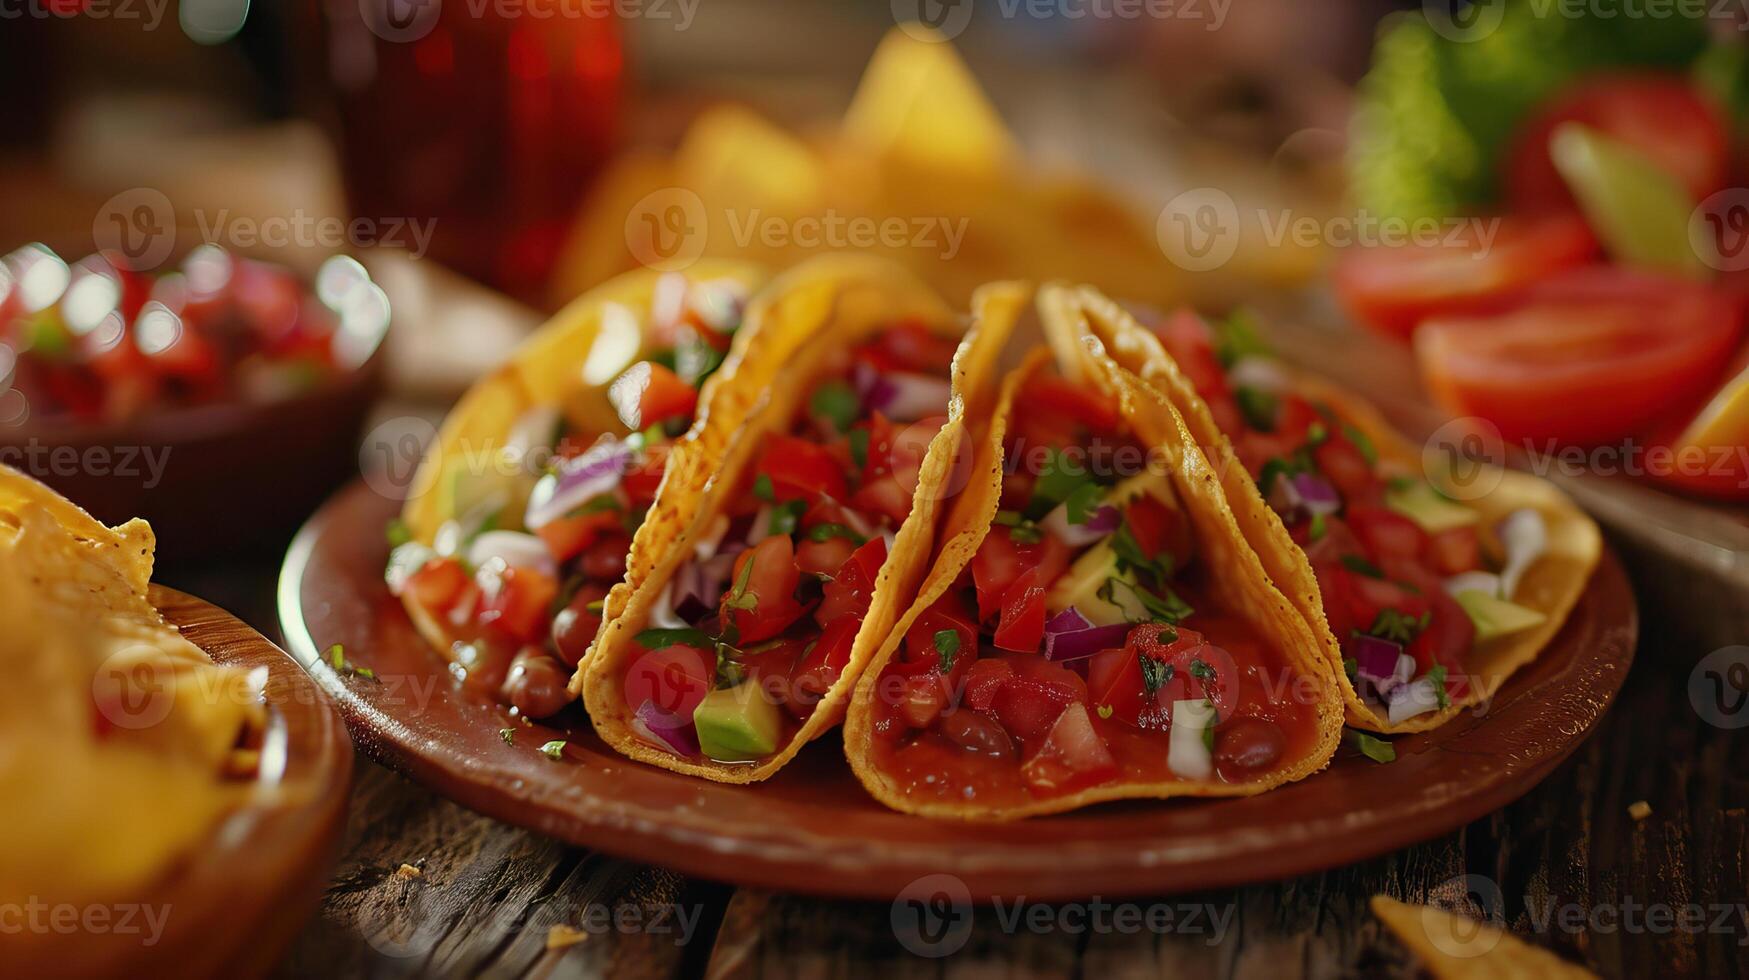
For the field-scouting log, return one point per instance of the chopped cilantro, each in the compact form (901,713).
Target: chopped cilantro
(1376,749)
(657,639)
(1237,338)
(1084,502)
(836,402)
(859,447)
(1208,734)
(508,735)
(1155,674)
(729,671)
(739,597)
(1351,667)
(763,489)
(826,532)
(947,646)
(1317,529)
(599,503)
(337,660)
(1316,434)
(1059,478)
(1258,406)
(554,750)
(784,516)
(1020,530)
(1168,636)
(1157,568)
(595,608)
(398,533)
(1395,625)
(1201,670)
(1168,608)
(1360,566)
(1362,442)
(1436,674)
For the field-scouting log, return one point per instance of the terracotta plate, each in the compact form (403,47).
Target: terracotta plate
(235,904)
(813,829)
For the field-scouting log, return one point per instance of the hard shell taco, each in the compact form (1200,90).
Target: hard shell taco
(1428,587)
(542,479)
(1092,625)
(742,642)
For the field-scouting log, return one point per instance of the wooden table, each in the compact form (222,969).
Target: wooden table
(480,898)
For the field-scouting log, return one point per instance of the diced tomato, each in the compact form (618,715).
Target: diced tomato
(1337,593)
(1073,755)
(1587,358)
(922,699)
(1000,562)
(886,496)
(1386,533)
(1029,703)
(437,585)
(1114,680)
(878,458)
(823,557)
(1158,529)
(1447,640)
(605,561)
(822,665)
(675,677)
(1052,395)
(847,595)
(1455,551)
(767,604)
(1022,627)
(1664,117)
(800,468)
(1393,289)
(950,612)
(1187,337)
(909,346)
(1340,460)
(983,679)
(666,397)
(568,536)
(1368,597)
(516,603)
(644,476)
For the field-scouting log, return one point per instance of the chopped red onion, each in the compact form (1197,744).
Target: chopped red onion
(665,730)
(515,549)
(1304,494)
(578,481)
(1375,658)
(699,584)
(1100,523)
(1069,636)
(1400,675)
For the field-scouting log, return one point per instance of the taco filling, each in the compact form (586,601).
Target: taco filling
(754,629)
(1082,645)
(1408,588)
(518,577)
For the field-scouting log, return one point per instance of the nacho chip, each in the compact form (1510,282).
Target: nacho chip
(1452,947)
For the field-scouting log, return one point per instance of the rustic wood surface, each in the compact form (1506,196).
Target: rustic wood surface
(479,898)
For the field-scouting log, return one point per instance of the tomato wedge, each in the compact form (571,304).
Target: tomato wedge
(1662,116)
(1000,561)
(1022,627)
(1393,289)
(1586,358)
(760,601)
(800,468)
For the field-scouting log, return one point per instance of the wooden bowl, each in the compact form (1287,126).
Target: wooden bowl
(233,906)
(813,829)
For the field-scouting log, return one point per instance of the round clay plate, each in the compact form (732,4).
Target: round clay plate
(813,829)
(235,903)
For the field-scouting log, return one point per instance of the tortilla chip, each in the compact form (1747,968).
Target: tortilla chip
(1552,586)
(813,311)
(1237,581)
(917,101)
(1452,947)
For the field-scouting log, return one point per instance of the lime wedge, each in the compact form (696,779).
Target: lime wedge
(1639,210)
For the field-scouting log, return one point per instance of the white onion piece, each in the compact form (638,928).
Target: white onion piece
(537,428)
(1257,372)
(1187,756)
(597,471)
(1411,700)
(1073,535)
(854,520)
(890,537)
(515,549)
(662,615)
(761,526)
(706,546)
(1401,674)
(404,561)
(1486,582)
(914,396)
(1525,537)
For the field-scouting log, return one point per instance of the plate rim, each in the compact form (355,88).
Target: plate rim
(1076,869)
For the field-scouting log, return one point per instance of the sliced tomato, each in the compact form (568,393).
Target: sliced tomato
(766,604)
(847,595)
(676,678)
(1455,551)
(1447,641)
(666,397)
(1368,597)
(1664,117)
(1072,757)
(1050,394)
(437,585)
(820,667)
(1387,534)
(983,679)
(1187,337)
(1000,562)
(1022,626)
(568,536)
(1392,289)
(823,557)
(517,602)
(1030,701)
(1590,357)
(800,468)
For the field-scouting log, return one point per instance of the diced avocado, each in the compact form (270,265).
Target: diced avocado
(736,724)
(1495,617)
(1081,584)
(1639,210)
(1419,502)
(1149,482)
